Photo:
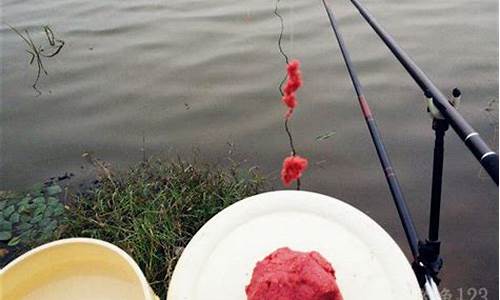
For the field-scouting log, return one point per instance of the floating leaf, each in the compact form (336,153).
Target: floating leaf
(25,201)
(23,208)
(51,201)
(58,210)
(53,190)
(53,225)
(36,219)
(5,226)
(24,226)
(14,218)
(43,223)
(25,218)
(8,211)
(48,212)
(14,241)
(37,190)
(40,209)
(49,229)
(325,136)
(5,235)
(27,235)
(39,200)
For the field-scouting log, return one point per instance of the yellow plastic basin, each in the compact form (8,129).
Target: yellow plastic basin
(76,269)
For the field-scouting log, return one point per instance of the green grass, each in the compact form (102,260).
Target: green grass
(153,210)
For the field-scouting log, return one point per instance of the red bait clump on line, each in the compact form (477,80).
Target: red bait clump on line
(293,166)
(292,85)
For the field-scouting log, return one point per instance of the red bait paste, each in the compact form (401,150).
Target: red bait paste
(291,275)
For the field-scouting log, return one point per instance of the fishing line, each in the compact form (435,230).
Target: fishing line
(280,87)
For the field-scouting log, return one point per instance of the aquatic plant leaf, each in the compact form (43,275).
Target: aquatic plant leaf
(53,225)
(24,226)
(36,219)
(8,211)
(43,223)
(59,210)
(25,201)
(52,201)
(3,203)
(5,235)
(48,212)
(22,208)
(39,200)
(5,226)
(53,190)
(14,241)
(40,209)
(25,218)
(47,230)
(14,218)
(36,190)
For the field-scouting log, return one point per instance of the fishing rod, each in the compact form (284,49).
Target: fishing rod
(404,213)
(486,157)
(425,278)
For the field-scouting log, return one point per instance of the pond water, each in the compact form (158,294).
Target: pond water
(203,75)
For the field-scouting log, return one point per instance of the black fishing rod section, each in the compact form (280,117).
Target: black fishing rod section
(487,158)
(397,195)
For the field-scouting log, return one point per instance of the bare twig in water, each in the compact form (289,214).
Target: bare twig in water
(37,52)
(325,136)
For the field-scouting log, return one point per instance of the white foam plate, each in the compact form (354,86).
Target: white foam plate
(218,262)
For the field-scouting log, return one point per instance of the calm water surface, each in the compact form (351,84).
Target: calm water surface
(204,74)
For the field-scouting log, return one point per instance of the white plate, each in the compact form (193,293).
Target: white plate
(218,262)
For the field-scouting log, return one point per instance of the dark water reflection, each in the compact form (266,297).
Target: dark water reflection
(204,73)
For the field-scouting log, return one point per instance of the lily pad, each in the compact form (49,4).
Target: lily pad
(52,225)
(36,219)
(53,190)
(22,208)
(24,226)
(58,210)
(44,222)
(48,212)
(27,235)
(25,201)
(25,218)
(36,190)
(8,211)
(40,209)
(52,201)
(39,200)
(14,218)
(5,235)
(5,226)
